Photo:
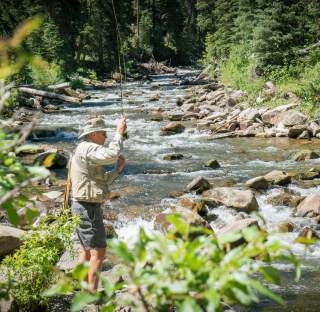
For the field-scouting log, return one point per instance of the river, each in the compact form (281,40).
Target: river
(148,179)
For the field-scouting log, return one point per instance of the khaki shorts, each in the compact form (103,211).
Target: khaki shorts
(91,231)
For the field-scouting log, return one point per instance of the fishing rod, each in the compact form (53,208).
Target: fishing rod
(119,46)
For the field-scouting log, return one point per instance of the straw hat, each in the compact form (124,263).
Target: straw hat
(93,125)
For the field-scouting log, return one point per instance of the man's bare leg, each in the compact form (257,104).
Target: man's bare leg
(84,255)
(96,259)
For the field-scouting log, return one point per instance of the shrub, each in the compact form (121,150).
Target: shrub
(30,270)
(76,83)
(46,74)
(189,269)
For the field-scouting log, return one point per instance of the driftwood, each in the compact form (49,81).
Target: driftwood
(59,86)
(51,95)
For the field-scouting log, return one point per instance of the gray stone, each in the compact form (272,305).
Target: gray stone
(258,183)
(304,155)
(309,206)
(296,131)
(292,118)
(213,164)
(234,198)
(278,177)
(308,233)
(198,184)
(10,239)
(285,199)
(57,159)
(271,116)
(172,128)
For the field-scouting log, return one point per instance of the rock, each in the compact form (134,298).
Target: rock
(305,135)
(175,116)
(308,233)
(296,131)
(278,177)
(188,107)
(212,163)
(179,101)
(314,128)
(258,183)
(215,115)
(310,174)
(172,128)
(117,274)
(156,117)
(155,97)
(52,195)
(198,184)
(309,206)
(304,155)
(286,227)
(249,114)
(29,149)
(175,194)
(10,239)
(285,199)
(187,215)
(236,227)
(292,118)
(234,198)
(52,160)
(271,116)
(173,157)
(200,208)
(211,217)
(7,305)
(186,202)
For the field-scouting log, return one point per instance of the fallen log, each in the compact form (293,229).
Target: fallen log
(59,86)
(51,95)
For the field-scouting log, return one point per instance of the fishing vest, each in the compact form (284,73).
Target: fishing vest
(89,181)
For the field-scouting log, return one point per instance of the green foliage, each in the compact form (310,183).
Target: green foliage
(189,269)
(87,73)
(76,83)
(239,71)
(46,74)
(30,269)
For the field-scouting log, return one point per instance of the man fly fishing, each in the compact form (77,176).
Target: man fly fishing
(89,187)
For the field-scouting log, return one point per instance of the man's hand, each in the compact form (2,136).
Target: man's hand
(121,163)
(122,126)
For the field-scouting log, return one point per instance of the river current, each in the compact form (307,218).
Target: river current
(147,179)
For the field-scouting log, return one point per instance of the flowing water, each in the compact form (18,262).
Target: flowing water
(148,179)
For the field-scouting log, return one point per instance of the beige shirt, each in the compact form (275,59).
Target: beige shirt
(89,181)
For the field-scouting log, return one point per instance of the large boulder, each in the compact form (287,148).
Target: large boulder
(296,131)
(198,184)
(10,239)
(304,155)
(292,118)
(271,116)
(310,206)
(234,198)
(172,128)
(278,177)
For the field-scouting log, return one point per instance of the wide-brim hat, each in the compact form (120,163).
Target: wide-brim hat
(94,124)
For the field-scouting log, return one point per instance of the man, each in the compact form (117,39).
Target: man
(89,187)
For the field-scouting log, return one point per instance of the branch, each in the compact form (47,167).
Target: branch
(143,299)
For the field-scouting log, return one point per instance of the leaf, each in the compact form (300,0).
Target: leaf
(190,305)
(81,299)
(11,212)
(107,286)
(252,234)
(180,225)
(266,292)
(305,240)
(80,272)
(122,250)
(63,287)
(271,274)
(31,214)
(24,30)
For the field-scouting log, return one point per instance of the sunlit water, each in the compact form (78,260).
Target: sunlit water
(240,159)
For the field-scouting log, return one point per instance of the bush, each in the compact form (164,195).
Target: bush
(76,83)
(87,73)
(239,71)
(189,269)
(30,270)
(45,75)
